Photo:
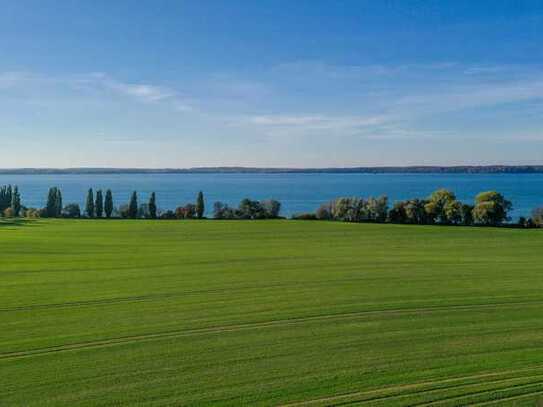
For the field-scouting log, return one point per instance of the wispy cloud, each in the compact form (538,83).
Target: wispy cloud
(97,83)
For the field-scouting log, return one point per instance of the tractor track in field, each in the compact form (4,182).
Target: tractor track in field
(151,297)
(376,396)
(253,326)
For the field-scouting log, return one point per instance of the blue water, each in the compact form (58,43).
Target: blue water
(297,192)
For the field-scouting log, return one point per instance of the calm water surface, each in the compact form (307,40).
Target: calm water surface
(297,192)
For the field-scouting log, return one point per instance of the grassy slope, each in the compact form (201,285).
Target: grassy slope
(271,312)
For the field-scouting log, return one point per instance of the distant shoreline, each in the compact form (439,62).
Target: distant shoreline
(464,169)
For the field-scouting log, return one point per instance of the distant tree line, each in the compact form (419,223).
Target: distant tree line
(440,208)
(490,208)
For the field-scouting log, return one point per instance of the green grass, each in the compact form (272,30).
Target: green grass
(108,313)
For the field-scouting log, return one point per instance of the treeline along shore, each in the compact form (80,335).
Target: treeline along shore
(489,208)
(420,169)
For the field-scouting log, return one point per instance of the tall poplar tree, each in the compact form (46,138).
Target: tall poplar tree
(16,201)
(200,205)
(152,206)
(53,207)
(89,207)
(133,206)
(108,204)
(99,204)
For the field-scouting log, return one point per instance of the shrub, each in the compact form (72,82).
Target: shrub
(167,215)
(537,216)
(223,211)
(324,212)
(271,208)
(304,216)
(31,213)
(9,212)
(185,212)
(71,211)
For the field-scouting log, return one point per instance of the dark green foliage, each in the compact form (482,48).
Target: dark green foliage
(271,208)
(152,206)
(248,209)
(53,207)
(467,215)
(108,204)
(223,211)
(324,212)
(132,211)
(16,201)
(99,204)
(6,192)
(200,205)
(71,211)
(89,206)
(304,216)
(169,214)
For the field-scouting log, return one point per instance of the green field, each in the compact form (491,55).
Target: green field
(155,313)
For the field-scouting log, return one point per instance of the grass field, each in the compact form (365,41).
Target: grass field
(108,313)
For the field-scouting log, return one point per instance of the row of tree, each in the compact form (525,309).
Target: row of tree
(98,205)
(10,200)
(441,207)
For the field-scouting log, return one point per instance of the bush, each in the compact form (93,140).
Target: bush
(324,212)
(186,212)
(31,213)
(223,211)
(167,215)
(304,216)
(9,213)
(124,211)
(537,216)
(71,211)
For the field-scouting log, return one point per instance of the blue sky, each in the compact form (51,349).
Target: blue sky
(270,83)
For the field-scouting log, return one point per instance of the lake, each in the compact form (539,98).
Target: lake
(297,192)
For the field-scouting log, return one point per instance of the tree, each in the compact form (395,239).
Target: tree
(89,207)
(452,212)
(415,211)
(5,197)
(272,208)
(71,211)
(185,212)
(537,217)
(200,205)
(377,208)
(152,206)
(223,211)
(108,204)
(491,208)
(133,206)
(324,212)
(467,215)
(53,208)
(99,204)
(16,202)
(436,204)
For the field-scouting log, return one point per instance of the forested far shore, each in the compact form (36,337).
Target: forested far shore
(490,208)
(417,169)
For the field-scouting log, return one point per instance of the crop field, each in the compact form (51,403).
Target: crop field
(156,313)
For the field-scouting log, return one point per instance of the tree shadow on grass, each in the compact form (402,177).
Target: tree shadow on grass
(17,222)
